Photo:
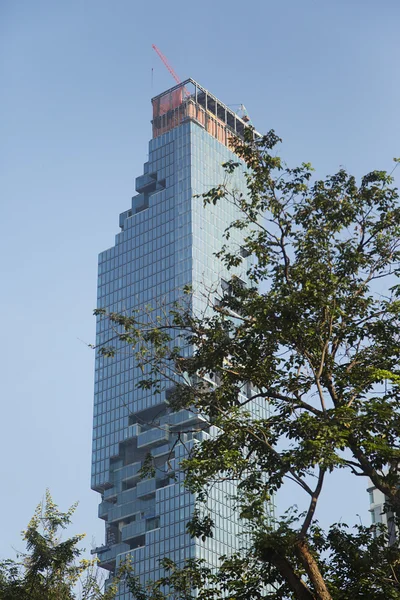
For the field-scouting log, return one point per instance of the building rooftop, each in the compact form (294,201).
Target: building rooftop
(190,101)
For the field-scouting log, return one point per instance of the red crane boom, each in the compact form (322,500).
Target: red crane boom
(166,63)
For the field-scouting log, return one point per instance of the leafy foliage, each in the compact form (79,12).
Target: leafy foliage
(51,568)
(315,336)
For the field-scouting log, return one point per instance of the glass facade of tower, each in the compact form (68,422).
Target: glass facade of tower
(167,240)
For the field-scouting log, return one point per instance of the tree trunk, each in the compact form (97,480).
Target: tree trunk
(312,569)
(299,588)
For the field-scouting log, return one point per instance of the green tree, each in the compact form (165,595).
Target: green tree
(315,335)
(51,569)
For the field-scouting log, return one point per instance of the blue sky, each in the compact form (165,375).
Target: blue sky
(76,80)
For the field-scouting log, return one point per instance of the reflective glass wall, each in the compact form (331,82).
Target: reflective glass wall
(167,240)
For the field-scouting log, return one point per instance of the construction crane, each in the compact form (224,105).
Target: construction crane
(166,63)
(169,67)
(242,112)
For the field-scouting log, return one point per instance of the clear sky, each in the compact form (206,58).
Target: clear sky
(76,82)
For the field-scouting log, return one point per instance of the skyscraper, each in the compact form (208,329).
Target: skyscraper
(167,240)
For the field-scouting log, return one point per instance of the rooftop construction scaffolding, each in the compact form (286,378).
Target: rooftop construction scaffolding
(189,101)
